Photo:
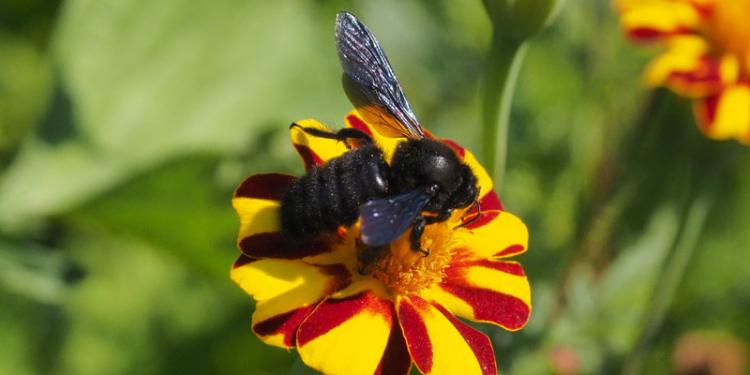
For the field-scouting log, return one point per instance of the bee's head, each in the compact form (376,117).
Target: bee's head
(440,171)
(436,167)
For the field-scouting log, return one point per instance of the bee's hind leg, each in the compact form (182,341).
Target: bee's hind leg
(341,135)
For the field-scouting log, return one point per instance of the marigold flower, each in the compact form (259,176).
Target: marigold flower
(311,297)
(707,57)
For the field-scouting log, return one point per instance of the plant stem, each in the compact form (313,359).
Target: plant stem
(503,65)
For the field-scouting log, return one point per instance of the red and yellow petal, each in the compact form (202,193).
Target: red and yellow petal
(256,201)
(488,199)
(726,115)
(687,69)
(495,234)
(354,334)
(286,292)
(314,150)
(658,19)
(484,290)
(625,5)
(439,343)
(387,144)
(274,245)
(484,181)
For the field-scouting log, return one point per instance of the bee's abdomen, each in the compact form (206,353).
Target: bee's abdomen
(329,196)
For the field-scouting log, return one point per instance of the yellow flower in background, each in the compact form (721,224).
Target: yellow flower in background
(310,296)
(707,57)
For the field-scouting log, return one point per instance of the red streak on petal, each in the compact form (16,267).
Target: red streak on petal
(644,34)
(485,218)
(396,359)
(478,342)
(334,312)
(274,245)
(489,305)
(706,10)
(310,158)
(463,260)
(687,79)
(510,250)
(415,333)
(507,267)
(358,124)
(647,34)
(286,324)
(242,260)
(705,80)
(460,151)
(340,277)
(491,201)
(264,186)
(706,111)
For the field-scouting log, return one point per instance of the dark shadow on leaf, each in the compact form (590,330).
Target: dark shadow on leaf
(58,124)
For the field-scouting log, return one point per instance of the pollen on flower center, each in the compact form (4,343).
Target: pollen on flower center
(404,270)
(730,29)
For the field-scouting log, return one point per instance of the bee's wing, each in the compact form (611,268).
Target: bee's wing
(382,221)
(369,80)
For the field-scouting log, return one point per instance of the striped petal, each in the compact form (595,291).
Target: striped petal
(256,201)
(484,181)
(315,150)
(441,344)
(387,144)
(488,197)
(727,115)
(495,234)
(687,69)
(485,290)
(657,19)
(274,245)
(286,292)
(624,5)
(354,334)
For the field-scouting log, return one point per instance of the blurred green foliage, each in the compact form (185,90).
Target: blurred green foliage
(125,125)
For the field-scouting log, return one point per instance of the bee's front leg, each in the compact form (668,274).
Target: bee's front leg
(417,229)
(415,238)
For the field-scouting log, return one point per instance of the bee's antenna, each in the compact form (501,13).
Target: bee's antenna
(473,218)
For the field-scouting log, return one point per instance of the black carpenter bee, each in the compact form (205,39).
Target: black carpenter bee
(423,184)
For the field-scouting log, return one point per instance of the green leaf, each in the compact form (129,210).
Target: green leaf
(178,207)
(25,82)
(35,272)
(150,81)
(631,281)
(141,310)
(604,312)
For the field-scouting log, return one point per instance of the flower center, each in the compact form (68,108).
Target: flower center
(730,28)
(405,271)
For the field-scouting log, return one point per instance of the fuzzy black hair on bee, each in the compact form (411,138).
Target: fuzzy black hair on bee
(330,195)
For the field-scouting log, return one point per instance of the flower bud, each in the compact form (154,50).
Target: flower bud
(520,19)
